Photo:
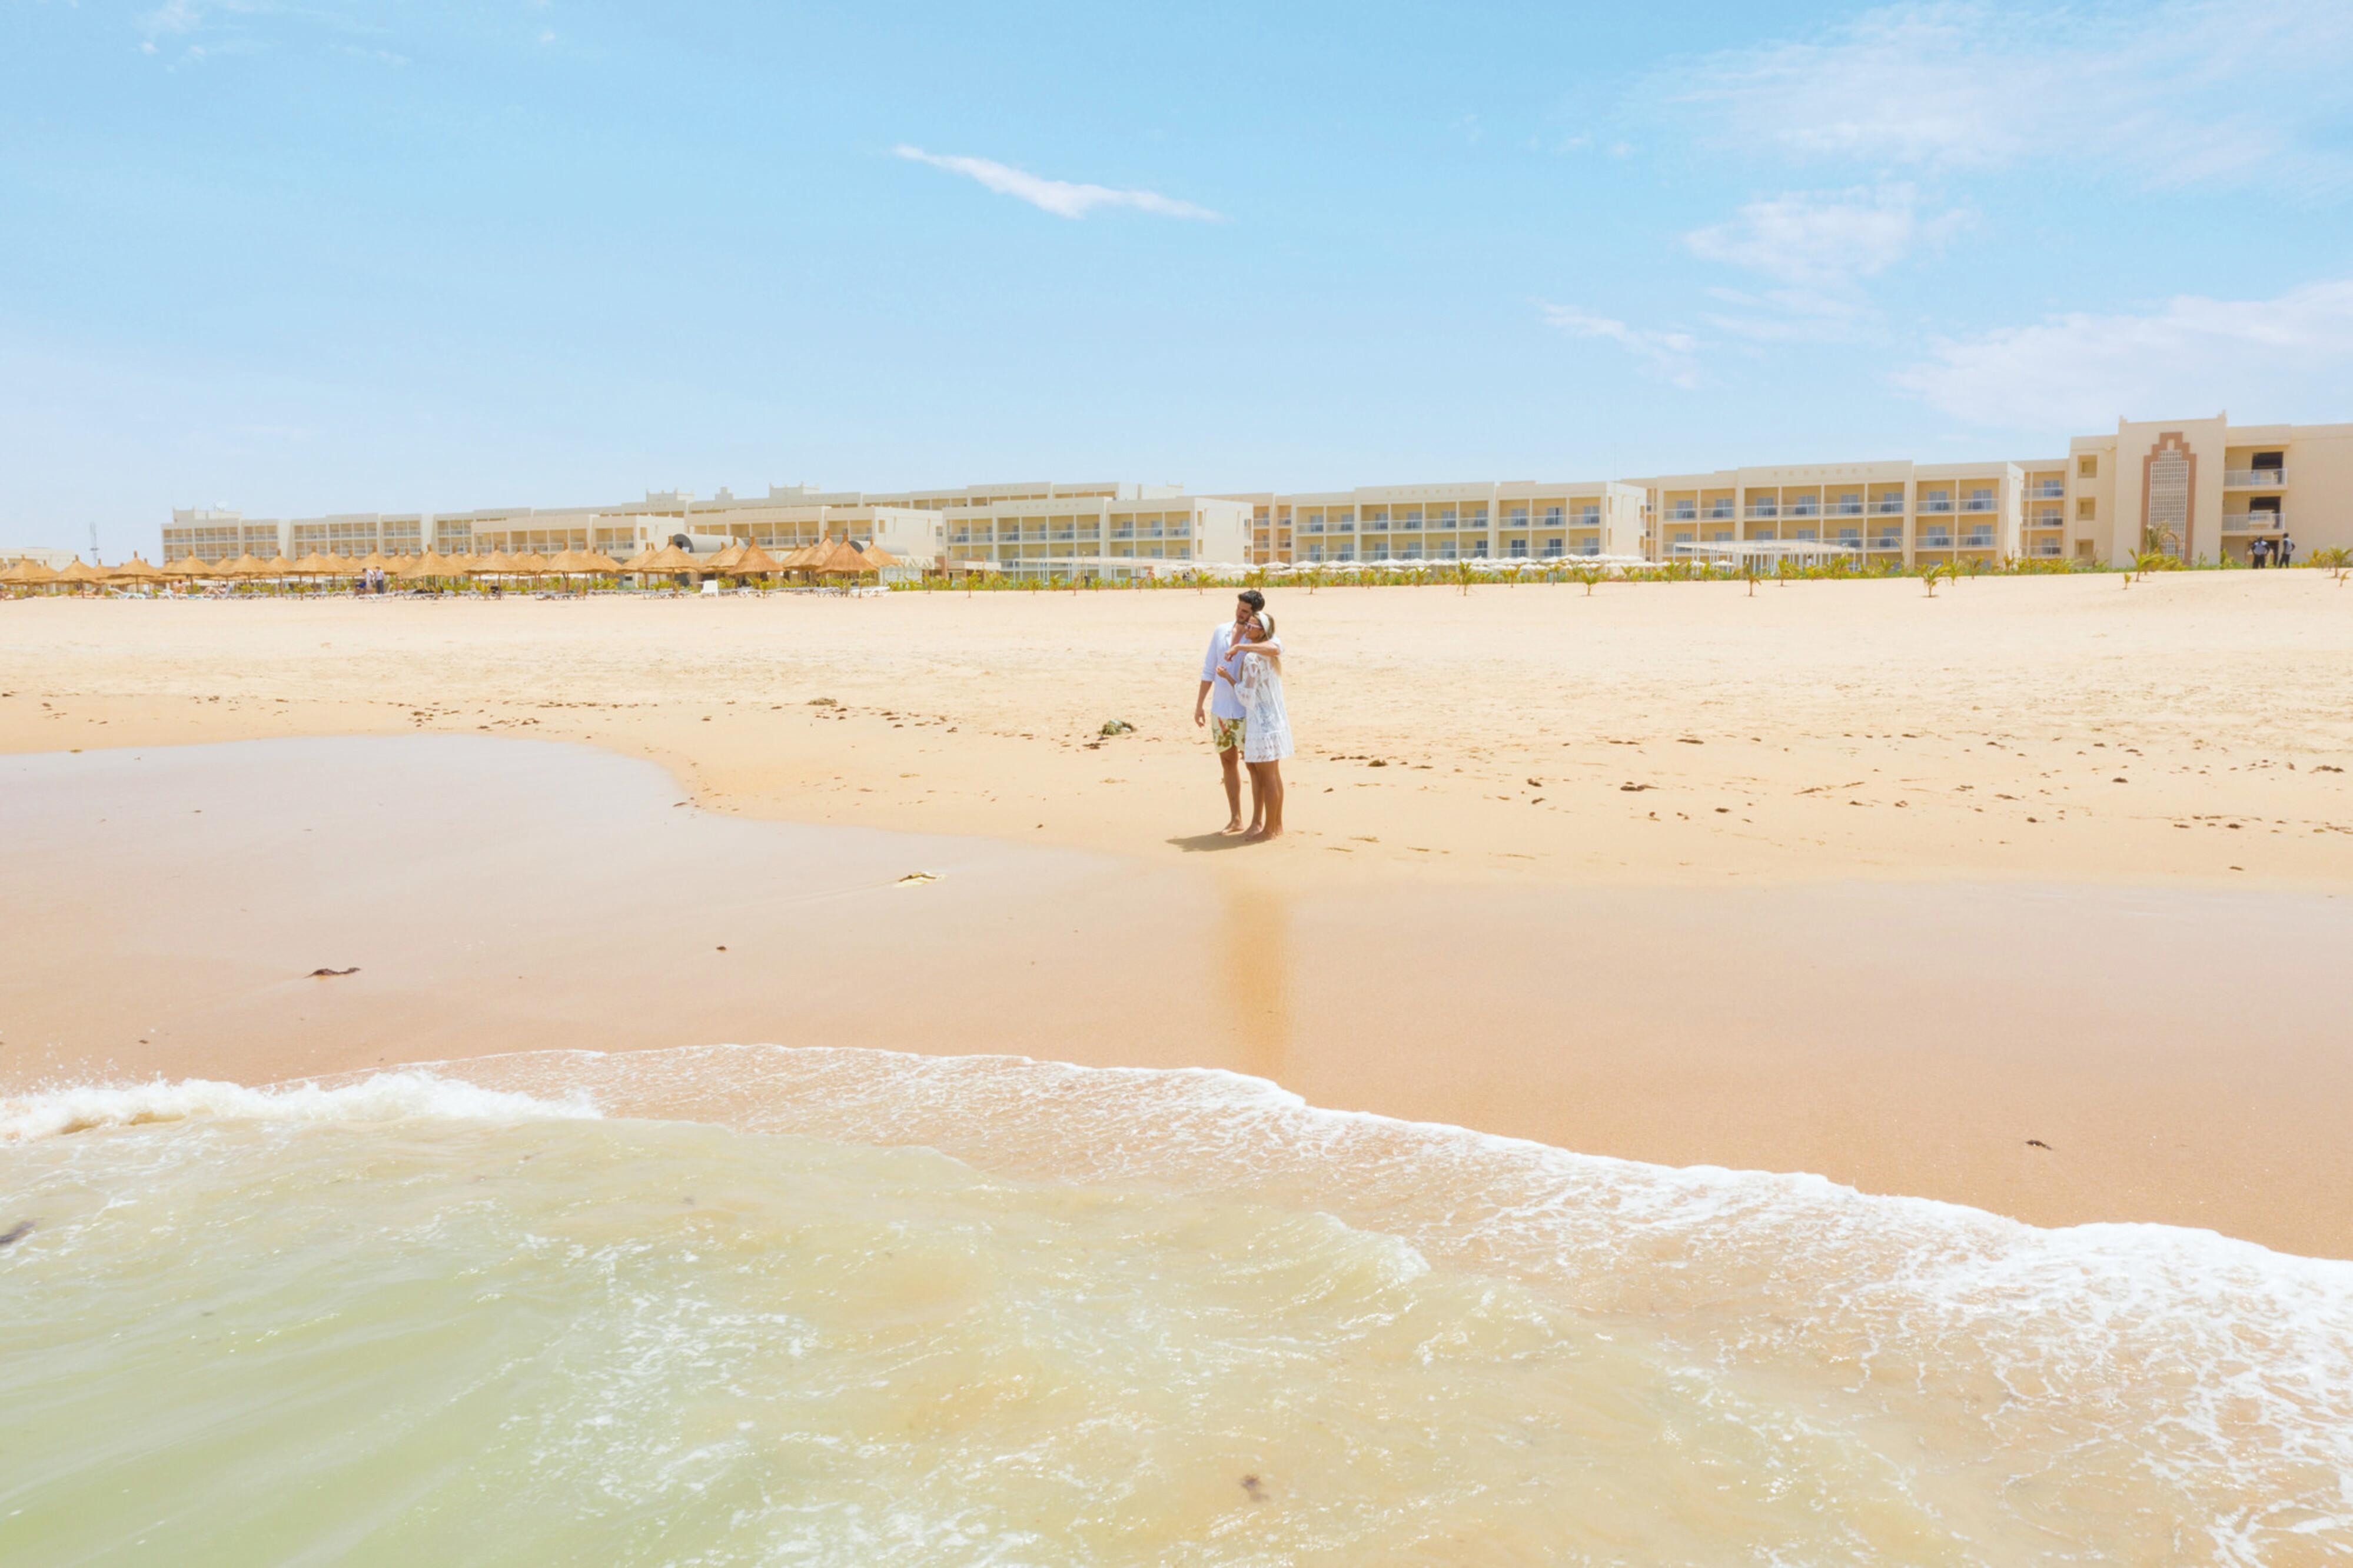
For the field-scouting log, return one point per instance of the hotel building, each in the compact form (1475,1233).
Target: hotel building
(2206,487)
(1109,529)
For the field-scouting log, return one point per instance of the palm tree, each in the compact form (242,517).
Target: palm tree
(1588,576)
(2336,561)
(1934,572)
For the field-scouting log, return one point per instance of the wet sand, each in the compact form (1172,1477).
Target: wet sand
(1907,1036)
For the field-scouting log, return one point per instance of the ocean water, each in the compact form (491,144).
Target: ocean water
(752,1305)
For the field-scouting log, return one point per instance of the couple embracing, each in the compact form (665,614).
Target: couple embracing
(1241,689)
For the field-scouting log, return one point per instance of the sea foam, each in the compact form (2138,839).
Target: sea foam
(379,1096)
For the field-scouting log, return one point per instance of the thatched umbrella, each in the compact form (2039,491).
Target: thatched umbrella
(313,565)
(421,568)
(724,559)
(638,563)
(28,573)
(670,558)
(755,562)
(188,565)
(79,573)
(375,561)
(843,559)
(590,563)
(135,571)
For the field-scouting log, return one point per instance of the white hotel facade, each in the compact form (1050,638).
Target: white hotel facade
(2206,486)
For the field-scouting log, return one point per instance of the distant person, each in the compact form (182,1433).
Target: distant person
(1223,705)
(1256,661)
(2286,551)
(2259,554)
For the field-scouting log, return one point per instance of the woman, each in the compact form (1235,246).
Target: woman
(1254,666)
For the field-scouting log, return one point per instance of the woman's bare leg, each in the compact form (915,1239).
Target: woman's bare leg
(1266,789)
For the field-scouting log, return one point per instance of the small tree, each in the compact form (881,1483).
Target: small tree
(1934,572)
(1588,576)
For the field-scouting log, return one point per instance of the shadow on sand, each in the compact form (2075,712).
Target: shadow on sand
(1197,843)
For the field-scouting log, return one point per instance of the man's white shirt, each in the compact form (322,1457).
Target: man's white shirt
(1223,703)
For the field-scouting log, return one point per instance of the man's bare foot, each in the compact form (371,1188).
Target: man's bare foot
(1233,824)
(1261,834)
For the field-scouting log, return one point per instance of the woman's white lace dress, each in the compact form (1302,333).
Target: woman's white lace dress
(1266,728)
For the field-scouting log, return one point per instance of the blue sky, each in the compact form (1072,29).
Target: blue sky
(296,259)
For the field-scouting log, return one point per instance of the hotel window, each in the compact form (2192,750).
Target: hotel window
(2087,468)
(1377,520)
(1408,517)
(2085,510)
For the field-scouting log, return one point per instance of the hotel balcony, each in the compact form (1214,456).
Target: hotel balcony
(2049,489)
(1937,540)
(1844,509)
(1935,504)
(1888,506)
(1764,509)
(1978,503)
(2253,521)
(2253,479)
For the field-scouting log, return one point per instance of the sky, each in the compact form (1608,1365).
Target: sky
(296,259)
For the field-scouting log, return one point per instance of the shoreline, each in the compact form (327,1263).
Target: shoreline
(1970,1030)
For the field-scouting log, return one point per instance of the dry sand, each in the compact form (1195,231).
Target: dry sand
(1837,877)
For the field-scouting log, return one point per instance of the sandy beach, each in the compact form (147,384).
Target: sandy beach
(1835,879)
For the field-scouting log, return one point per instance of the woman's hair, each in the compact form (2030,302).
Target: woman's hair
(1266,623)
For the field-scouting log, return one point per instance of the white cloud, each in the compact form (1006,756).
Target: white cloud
(1063,198)
(2268,359)
(1790,316)
(173,17)
(1673,356)
(1826,237)
(2185,92)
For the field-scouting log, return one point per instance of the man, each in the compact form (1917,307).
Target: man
(1224,714)
(2286,548)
